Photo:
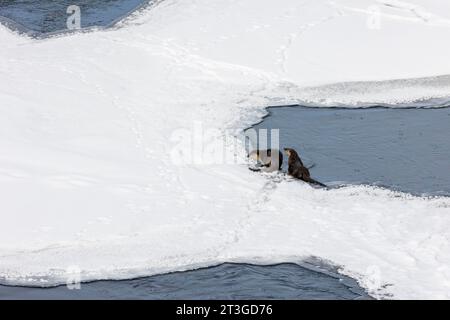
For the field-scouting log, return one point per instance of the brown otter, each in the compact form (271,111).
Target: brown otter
(297,169)
(270,160)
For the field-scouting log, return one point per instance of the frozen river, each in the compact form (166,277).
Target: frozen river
(399,149)
(228,281)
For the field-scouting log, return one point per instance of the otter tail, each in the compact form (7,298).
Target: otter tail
(311,166)
(311,180)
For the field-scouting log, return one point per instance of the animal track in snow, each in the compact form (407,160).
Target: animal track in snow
(73,180)
(13,174)
(290,39)
(411,12)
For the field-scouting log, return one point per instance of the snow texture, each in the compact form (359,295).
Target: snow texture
(88,120)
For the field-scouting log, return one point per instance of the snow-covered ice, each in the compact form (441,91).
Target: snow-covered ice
(86,174)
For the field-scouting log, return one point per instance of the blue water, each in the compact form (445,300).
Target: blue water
(224,282)
(401,149)
(49,16)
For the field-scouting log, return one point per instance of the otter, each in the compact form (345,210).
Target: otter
(271,160)
(297,169)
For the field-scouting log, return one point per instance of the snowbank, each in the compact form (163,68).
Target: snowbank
(86,173)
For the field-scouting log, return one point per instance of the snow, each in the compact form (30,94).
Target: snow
(89,122)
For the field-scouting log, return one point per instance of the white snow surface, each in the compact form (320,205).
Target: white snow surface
(86,120)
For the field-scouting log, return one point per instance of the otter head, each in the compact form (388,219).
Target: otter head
(288,151)
(291,153)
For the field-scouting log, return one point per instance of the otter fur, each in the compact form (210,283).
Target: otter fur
(297,169)
(270,160)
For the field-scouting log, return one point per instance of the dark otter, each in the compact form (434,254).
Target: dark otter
(297,169)
(270,160)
